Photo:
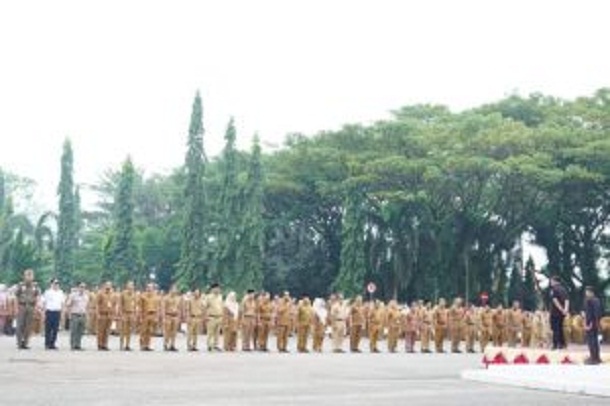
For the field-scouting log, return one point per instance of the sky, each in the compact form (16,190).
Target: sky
(118,77)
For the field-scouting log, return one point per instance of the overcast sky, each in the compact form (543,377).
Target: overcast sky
(118,77)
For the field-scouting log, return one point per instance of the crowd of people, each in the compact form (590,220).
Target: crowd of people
(252,321)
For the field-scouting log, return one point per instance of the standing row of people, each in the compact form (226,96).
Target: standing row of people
(256,317)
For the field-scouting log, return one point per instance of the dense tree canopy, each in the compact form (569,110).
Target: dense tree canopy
(426,204)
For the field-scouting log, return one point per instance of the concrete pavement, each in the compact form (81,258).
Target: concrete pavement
(39,377)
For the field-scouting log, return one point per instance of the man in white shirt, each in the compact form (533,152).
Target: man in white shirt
(54,300)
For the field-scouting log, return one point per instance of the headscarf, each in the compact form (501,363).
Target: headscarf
(232,305)
(319,307)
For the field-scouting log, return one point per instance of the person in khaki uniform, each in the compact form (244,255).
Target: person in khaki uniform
(264,321)
(172,312)
(105,312)
(425,331)
(567,328)
(498,326)
(455,314)
(486,323)
(230,322)
(283,322)
(304,322)
(248,320)
(470,327)
(213,312)
(92,312)
(193,314)
(376,324)
(578,329)
(439,323)
(27,297)
(514,323)
(526,336)
(411,324)
(339,312)
(357,322)
(393,321)
(320,321)
(127,315)
(149,309)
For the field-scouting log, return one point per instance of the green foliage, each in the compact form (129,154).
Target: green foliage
(252,224)
(192,264)
(122,252)
(352,272)
(66,242)
(426,204)
(531,296)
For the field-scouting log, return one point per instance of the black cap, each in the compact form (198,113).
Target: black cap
(214,285)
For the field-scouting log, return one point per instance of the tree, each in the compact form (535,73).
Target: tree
(229,214)
(531,297)
(252,224)
(123,251)
(66,224)
(350,280)
(515,285)
(192,264)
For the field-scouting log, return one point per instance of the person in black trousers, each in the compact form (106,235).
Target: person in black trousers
(560,308)
(593,314)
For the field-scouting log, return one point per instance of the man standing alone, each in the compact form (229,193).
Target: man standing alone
(593,314)
(560,308)
(53,305)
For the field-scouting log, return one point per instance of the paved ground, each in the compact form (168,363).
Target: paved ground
(39,377)
(579,379)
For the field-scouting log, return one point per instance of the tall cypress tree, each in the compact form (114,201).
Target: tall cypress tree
(253,226)
(123,249)
(2,190)
(515,285)
(530,292)
(66,227)
(191,267)
(352,272)
(228,208)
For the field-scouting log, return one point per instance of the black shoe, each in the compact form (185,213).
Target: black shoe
(147,349)
(193,349)
(173,349)
(456,351)
(590,361)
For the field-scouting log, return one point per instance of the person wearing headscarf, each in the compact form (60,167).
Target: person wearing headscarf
(320,321)
(230,322)
(4,308)
(304,321)
(339,311)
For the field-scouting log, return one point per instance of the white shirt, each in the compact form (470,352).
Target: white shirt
(53,299)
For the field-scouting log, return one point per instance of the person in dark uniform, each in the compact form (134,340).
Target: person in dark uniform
(560,308)
(593,315)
